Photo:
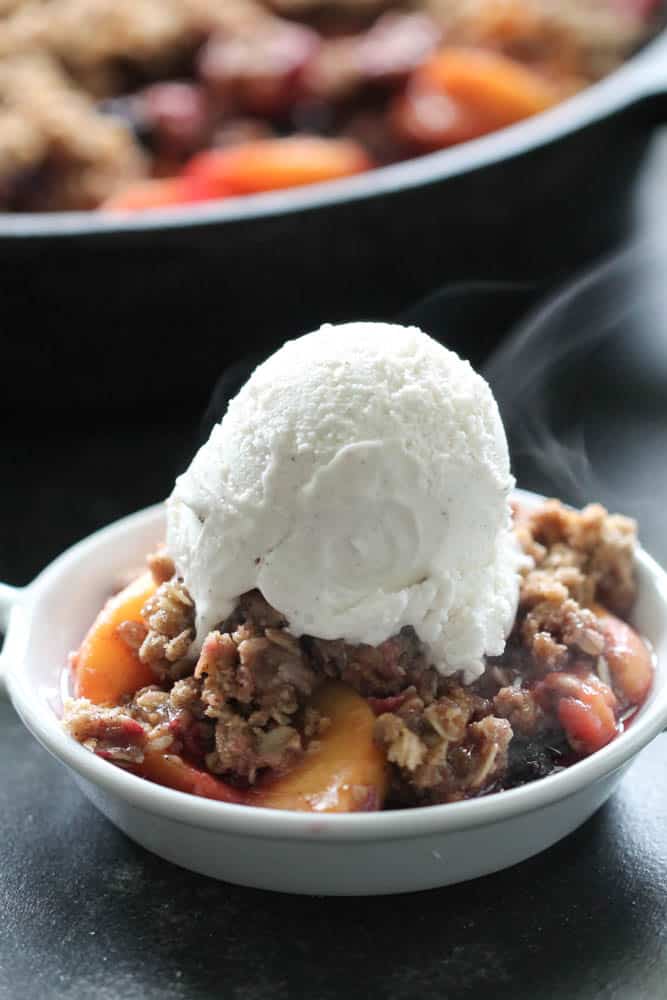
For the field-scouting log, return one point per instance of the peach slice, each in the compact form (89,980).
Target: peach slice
(274,164)
(167,769)
(585,709)
(105,668)
(162,192)
(347,772)
(498,88)
(628,657)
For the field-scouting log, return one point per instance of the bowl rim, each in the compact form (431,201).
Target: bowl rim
(640,76)
(265,823)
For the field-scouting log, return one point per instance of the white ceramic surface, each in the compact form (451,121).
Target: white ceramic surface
(398,851)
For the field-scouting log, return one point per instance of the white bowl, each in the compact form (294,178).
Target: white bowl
(343,854)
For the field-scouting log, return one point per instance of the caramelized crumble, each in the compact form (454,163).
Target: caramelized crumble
(240,706)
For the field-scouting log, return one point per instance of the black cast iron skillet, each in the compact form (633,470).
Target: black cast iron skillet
(111,312)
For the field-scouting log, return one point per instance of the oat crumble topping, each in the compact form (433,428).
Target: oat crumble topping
(242,705)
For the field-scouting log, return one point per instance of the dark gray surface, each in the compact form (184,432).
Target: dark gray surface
(85,913)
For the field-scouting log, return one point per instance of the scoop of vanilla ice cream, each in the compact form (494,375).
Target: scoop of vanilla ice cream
(360,480)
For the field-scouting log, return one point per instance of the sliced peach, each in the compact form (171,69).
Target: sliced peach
(498,88)
(162,192)
(428,119)
(346,773)
(628,657)
(105,668)
(167,769)
(589,723)
(273,164)
(585,707)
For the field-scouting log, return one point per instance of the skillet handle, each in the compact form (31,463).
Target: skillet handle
(9,599)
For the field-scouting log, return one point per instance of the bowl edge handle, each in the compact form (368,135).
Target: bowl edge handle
(9,599)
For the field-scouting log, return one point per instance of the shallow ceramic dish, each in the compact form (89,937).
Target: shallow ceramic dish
(353,854)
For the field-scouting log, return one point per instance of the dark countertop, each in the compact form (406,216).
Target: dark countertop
(86,913)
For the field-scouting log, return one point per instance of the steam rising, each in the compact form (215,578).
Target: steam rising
(581,384)
(582,388)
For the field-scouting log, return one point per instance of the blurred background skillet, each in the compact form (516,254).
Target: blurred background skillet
(110,313)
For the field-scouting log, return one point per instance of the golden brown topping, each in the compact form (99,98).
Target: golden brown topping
(589,553)
(161,566)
